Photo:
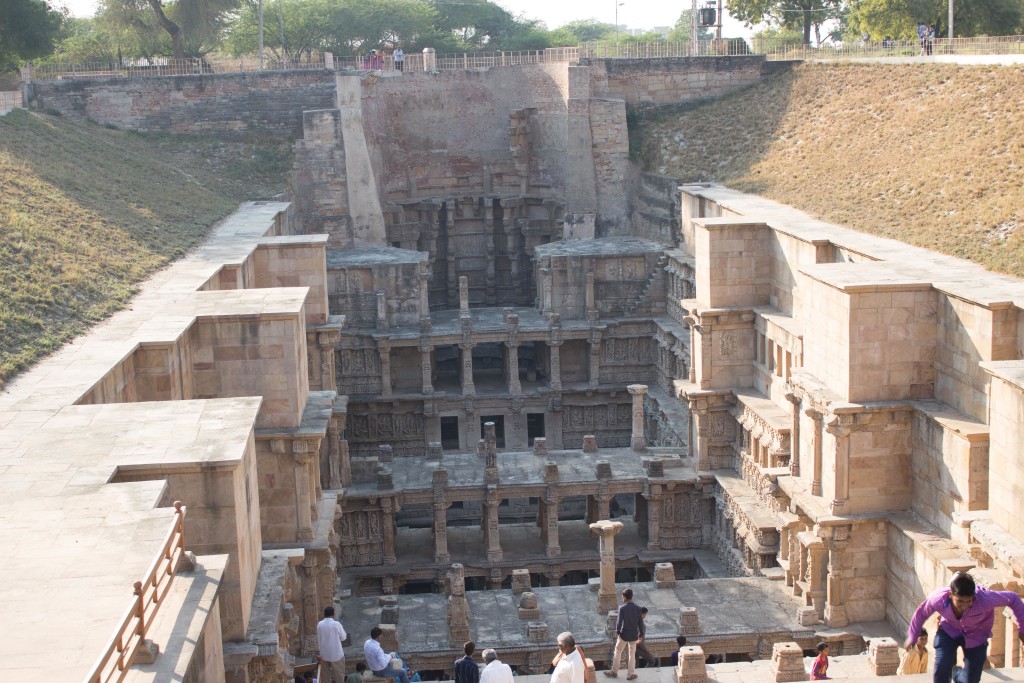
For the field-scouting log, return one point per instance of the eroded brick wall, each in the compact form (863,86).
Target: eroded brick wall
(266,103)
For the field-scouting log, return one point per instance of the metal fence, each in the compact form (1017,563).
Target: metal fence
(9,99)
(982,45)
(428,61)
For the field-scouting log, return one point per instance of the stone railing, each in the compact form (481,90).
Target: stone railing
(124,647)
(10,99)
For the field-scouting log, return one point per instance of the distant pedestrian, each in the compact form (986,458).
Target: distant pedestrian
(929,39)
(330,636)
(466,670)
(922,36)
(680,643)
(819,669)
(629,630)
(399,58)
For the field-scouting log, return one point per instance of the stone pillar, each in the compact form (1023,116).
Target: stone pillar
(884,656)
(594,375)
(816,560)
(552,548)
(691,668)
(589,443)
(458,607)
(591,298)
(424,294)
(468,389)
(463,296)
(835,602)
(528,609)
(639,441)
(816,416)
(429,59)
(382,310)
(654,496)
(545,290)
(840,427)
(540,446)
(514,386)
(794,435)
(997,646)
(439,480)
(334,478)
(384,351)
(425,366)
(491,537)
(303,499)
(689,621)
(554,349)
(327,341)
(788,663)
(607,599)
(389,507)
(490,454)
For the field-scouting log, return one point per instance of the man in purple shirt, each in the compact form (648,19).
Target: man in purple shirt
(966,614)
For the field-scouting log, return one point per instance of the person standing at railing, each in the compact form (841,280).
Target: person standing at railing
(330,636)
(399,58)
(922,36)
(930,39)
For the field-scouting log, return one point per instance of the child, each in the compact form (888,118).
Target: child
(915,661)
(820,667)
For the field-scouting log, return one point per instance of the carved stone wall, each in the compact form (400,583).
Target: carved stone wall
(359,370)
(370,425)
(611,423)
(361,533)
(626,361)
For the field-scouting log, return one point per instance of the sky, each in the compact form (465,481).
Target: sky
(642,14)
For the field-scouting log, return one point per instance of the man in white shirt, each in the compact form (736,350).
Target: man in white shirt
(330,635)
(379,661)
(495,670)
(570,667)
(399,58)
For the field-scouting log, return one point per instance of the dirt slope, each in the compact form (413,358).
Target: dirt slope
(929,154)
(86,213)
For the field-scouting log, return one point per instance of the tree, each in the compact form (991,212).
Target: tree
(681,31)
(899,18)
(338,26)
(481,24)
(582,31)
(803,14)
(28,29)
(195,26)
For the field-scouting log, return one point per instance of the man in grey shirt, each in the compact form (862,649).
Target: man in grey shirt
(629,630)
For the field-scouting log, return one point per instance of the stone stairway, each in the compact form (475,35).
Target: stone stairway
(651,300)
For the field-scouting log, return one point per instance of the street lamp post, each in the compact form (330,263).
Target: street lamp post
(617,6)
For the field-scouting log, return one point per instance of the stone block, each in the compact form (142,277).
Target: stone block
(655,467)
(788,663)
(520,581)
(688,621)
(540,446)
(389,614)
(385,480)
(537,632)
(806,616)
(664,575)
(604,470)
(434,450)
(594,584)
(589,443)
(884,656)
(610,621)
(691,667)
(528,608)
(551,472)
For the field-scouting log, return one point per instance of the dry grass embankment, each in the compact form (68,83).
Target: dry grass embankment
(932,155)
(87,213)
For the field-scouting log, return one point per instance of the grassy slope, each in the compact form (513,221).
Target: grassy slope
(930,155)
(86,213)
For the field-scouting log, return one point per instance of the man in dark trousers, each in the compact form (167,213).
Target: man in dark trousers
(967,612)
(629,630)
(466,670)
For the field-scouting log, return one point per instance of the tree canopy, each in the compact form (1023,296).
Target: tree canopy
(192,27)
(805,15)
(899,18)
(28,29)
